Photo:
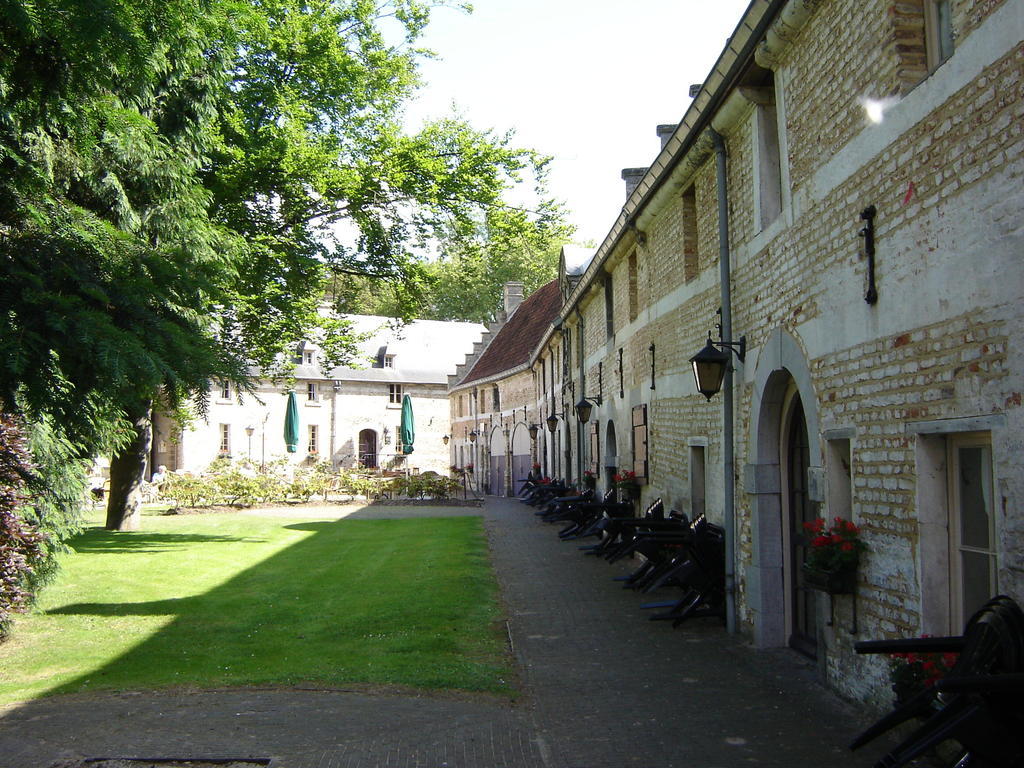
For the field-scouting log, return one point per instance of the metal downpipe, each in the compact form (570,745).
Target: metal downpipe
(728,453)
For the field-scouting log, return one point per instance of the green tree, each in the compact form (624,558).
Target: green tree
(182,183)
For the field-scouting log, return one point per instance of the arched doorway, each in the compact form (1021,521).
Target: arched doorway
(521,457)
(496,476)
(798,508)
(368,448)
(784,482)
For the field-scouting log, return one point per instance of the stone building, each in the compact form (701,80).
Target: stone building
(493,394)
(348,415)
(843,195)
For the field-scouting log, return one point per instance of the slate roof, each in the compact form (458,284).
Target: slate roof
(426,351)
(515,342)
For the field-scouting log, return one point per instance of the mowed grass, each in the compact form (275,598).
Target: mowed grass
(233,599)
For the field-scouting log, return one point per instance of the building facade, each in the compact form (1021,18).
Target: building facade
(349,416)
(845,194)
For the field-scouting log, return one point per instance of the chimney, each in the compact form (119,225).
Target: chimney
(632,177)
(513,295)
(665,133)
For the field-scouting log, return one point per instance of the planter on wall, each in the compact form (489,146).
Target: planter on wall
(842,582)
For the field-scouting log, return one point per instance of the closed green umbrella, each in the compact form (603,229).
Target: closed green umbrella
(291,423)
(407,432)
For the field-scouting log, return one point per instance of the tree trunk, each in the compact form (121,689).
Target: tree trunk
(126,468)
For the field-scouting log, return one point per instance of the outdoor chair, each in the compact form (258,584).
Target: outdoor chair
(614,526)
(543,493)
(584,519)
(571,496)
(977,705)
(700,573)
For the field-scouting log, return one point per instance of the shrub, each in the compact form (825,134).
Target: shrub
(20,543)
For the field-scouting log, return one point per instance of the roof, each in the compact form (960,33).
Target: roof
(514,343)
(577,258)
(425,351)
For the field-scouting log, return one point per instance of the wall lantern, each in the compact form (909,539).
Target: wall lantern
(584,408)
(533,429)
(552,422)
(472,436)
(445,439)
(249,430)
(710,364)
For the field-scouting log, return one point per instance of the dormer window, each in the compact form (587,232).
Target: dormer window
(308,357)
(389,361)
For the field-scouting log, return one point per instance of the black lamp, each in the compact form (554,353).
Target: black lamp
(532,429)
(584,408)
(472,436)
(552,422)
(710,364)
(445,439)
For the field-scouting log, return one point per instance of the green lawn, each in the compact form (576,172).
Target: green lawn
(234,599)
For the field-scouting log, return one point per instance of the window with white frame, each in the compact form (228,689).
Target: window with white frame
(225,439)
(308,357)
(313,443)
(312,392)
(225,390)
(395,394)
(972,535)
(957,531)
(389,361)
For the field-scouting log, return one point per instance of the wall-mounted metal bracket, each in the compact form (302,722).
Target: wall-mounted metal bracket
(868,233)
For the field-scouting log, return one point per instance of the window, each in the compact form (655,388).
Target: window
(634,287)
(938,32)
(698,478)
(225,390)
(840,478)
(972,556)
(640,441)
(595,448)
(496,398)
(957,531)
(225,440)
(312,395)
(389,361)
(767,167)
(689,216)
(308,358)
(609,307)
(395,394)
(313,444)
(462,399)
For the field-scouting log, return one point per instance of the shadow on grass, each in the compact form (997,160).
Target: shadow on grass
(100,540)
(407,602)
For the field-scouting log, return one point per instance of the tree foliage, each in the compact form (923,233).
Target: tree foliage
(181,183)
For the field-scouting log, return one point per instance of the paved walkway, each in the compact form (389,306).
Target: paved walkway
(602,688)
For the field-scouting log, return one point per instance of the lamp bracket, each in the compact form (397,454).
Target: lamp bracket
(738,348)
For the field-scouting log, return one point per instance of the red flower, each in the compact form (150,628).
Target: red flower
(846,546)
(821,541)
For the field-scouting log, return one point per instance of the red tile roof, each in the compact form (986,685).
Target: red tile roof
(517,339)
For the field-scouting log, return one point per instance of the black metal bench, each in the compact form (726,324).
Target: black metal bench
(978,704)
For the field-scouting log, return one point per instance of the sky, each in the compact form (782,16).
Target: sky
(585,81)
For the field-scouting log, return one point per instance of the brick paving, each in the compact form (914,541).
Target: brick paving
(602,687)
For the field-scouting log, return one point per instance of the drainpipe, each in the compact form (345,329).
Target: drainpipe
(728,457)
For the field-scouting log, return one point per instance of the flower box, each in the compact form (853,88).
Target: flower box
(841,582)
